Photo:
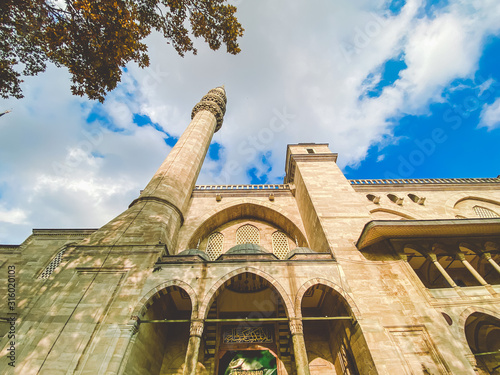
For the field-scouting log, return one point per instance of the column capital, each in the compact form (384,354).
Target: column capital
(432,257)
(486,256)
(296,326)
(196,328)
(133,326)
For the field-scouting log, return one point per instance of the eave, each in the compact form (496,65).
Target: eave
(376,231)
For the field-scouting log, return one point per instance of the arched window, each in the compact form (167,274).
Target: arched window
(280,244)
(215,245)
(374,198)
(395,199)
(247,234)
(483,336)
(485,212)
(52,265)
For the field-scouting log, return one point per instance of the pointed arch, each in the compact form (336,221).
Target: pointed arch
(249,208)
(142,306)
(215,290)
(302,290)
(400,213)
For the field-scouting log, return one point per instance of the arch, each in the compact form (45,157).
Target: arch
(302,290)
(250,208)
(248,233)
(475,309)
(482,335)
(452,203)
(218,287)
(476,198)
(462,319)
(342,339)
(400,213)
(395,199)
(142,306)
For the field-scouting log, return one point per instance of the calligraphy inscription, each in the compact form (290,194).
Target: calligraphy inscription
(247,335)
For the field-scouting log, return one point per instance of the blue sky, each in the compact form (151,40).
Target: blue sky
(399,89)
(461,147)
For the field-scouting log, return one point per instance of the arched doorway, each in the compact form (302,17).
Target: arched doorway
(160,348)
(333,345)
(483,336)
(246,329)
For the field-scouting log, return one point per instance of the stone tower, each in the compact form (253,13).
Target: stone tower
(320,275)
(158,213)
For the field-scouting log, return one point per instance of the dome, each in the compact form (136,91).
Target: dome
(194,252)
(247,248)
(299,250)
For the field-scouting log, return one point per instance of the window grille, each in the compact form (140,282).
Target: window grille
(247,234)
(52,265)
(485,212)
(280,244)
(214,246)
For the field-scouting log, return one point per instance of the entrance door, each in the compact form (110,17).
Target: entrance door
(248,362)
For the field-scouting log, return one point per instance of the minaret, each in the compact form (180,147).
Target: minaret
(156,216)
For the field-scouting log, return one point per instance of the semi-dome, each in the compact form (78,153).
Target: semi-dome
(247,248)
(194,252)
(299,250)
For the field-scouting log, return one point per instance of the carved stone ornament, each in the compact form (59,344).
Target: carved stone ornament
(214,102)
(217,99)
(296,327)
(221,93)
(211,107)
(196,328)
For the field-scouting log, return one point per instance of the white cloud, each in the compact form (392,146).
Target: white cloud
(59,171)
(12,216)
(490,115)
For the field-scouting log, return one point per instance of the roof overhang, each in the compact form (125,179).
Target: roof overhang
(379,230)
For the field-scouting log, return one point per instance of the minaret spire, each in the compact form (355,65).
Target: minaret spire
(159,211)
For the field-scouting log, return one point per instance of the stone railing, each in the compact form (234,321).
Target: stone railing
(426,181)
(413,181)
(241,187)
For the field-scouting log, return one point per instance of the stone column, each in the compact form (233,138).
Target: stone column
(471,269)
(433,259)
(299,346)
(131,331)
(193,348)
(495,265)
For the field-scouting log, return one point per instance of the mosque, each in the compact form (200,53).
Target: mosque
(318,275)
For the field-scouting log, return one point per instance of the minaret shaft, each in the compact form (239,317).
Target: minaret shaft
(175,179)
(156,216)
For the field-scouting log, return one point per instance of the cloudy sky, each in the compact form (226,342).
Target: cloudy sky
(400,89)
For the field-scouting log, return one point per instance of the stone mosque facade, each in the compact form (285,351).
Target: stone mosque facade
(318,275)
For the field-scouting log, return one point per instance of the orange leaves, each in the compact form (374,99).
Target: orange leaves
(95,38)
